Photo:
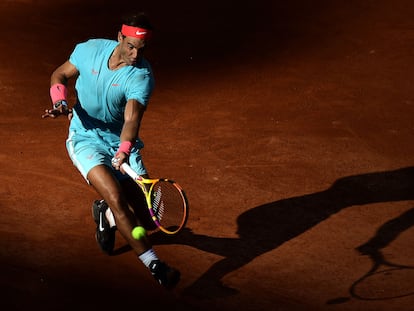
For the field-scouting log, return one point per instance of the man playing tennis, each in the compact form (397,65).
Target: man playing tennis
(113,86)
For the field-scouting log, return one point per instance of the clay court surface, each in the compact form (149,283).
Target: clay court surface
(288,123)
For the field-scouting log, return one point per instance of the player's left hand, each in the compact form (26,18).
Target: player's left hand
(57,110)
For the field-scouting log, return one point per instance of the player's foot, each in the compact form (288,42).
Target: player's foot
(165,275)
(105,235)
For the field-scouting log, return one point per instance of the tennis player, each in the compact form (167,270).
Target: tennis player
(113,85)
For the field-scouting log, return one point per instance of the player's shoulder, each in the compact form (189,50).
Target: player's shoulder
(98,44)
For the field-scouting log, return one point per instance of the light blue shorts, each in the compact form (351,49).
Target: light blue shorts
(89,148)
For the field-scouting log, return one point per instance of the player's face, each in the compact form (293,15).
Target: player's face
(131,49)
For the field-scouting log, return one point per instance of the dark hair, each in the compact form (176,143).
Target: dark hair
(140,20)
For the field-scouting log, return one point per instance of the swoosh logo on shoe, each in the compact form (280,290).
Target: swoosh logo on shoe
(100,223)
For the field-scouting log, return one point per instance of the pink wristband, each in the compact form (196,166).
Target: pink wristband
(58,92)
(125,147)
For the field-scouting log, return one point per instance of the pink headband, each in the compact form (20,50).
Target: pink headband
(136,32)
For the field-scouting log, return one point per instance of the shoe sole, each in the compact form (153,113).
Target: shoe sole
(110,252)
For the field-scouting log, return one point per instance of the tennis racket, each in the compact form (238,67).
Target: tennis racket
(166,201)
(385,280)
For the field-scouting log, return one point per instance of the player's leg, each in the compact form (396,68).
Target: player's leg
(106,184)
(87,150)
(92,157)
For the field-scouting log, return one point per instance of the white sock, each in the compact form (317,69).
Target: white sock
(147,257)
(110,217)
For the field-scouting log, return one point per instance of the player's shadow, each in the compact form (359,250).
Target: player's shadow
(266,227)
(385,235)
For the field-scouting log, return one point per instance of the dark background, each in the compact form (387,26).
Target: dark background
(288,123)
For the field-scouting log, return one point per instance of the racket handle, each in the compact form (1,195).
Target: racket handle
(129,171)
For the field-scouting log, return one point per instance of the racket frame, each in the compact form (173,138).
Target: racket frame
(143,183)
(380,265)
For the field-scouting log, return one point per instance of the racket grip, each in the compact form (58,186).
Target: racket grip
(129,171)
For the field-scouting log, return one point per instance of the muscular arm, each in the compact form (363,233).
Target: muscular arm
(63,73)
(133,114)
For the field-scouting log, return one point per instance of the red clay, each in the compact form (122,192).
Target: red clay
(290,126)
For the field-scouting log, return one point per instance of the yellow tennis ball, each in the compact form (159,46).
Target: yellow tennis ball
(138,232)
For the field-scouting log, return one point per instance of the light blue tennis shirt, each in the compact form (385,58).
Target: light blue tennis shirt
(103,93)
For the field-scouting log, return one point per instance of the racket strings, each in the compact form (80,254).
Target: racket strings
(157,202)
(168,204)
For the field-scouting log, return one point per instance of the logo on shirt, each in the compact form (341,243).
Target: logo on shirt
(94,72)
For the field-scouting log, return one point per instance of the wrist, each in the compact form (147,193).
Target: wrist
(125,147)
(58,92)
